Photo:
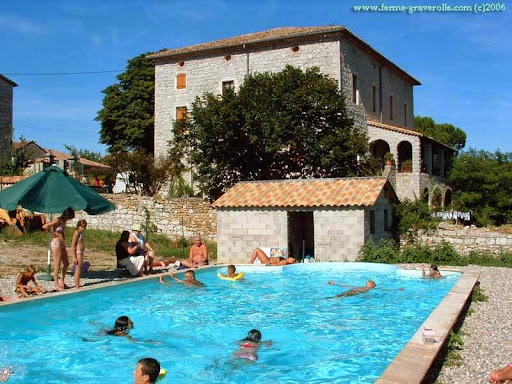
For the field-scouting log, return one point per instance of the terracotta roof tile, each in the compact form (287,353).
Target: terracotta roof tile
(11,179)
(361,191)
(256,37)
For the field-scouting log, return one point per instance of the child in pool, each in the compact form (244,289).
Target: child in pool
(6,373)
(122,326)
(190,279)
(433,272)
(231,272)
(248,347)
(22,283)
(78,249)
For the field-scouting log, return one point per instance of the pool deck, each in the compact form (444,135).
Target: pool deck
(413,363)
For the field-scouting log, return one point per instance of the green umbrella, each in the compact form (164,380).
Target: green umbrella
(52,191)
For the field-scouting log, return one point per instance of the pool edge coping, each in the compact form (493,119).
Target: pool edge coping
(413,363)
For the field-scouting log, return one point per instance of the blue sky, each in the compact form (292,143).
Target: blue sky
(463,60)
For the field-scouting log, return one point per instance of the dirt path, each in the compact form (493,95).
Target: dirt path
(15,256)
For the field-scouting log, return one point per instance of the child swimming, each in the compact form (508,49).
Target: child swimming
(121,327)
(248,347)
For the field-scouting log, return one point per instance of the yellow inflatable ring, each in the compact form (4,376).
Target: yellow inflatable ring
(237,277)
(162,373)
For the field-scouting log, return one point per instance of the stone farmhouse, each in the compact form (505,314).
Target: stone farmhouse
(379,94)
(6,103)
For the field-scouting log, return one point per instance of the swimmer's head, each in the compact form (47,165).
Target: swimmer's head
(434,267)
(231,269)
(253,335)
(371,284)
(123,323)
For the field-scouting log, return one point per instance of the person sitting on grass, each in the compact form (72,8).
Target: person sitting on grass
(502,375)
(126,255)
(198,256)
(147,371)
(24,279)
(264,259)
(433,272)
(145,249)
(190,279)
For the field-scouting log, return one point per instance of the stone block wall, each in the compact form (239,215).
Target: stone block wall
(383,211)
(338,233)
(6,99)
(469,238)
(206,74)
(240,231)
(171,217)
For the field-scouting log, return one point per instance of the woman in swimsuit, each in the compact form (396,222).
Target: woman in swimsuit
(264,259)
(248,347)
(58,246)
(78,249)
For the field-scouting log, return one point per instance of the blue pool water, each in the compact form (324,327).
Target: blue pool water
(193,332)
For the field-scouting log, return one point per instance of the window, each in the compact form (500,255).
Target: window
(374,98)
(391,107)
(386,220)
(181,81)
(405,115)
(227,85)
(181,112)
(372,222)
(355,91)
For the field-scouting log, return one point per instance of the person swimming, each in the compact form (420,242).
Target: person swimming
(121,327)
(249,346)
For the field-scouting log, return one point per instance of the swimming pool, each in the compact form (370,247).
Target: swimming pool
(194,332)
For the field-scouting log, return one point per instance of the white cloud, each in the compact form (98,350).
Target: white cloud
(21,25)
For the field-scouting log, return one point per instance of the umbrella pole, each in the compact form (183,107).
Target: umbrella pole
(48,276)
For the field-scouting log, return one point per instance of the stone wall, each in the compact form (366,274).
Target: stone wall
(467,239)
(339,233)
(167,215)
(240,231)
(6,96)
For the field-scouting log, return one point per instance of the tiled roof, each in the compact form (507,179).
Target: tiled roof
(394,128)
(270,37)
(407,132)
(11,179)
(7,80)
(353,191)
(57,155)
(256,37)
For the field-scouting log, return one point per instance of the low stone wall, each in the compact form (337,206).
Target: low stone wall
(467,239)
(171,217)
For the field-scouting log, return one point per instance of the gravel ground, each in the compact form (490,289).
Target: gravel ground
(489,328)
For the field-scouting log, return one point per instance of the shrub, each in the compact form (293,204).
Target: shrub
(385,251)
(412,216)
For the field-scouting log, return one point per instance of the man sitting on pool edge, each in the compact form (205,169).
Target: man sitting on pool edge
(264,259)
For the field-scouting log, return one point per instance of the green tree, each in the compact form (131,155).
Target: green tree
(290,124)
(482,184)
(85,153)
(142,174)
(127,117)
(15,161)
(445,133)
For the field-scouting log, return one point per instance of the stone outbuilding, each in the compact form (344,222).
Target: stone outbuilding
(329,219)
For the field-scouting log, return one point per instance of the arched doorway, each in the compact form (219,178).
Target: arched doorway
(378,149)
(404,156)
(424,195)
(447,197)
